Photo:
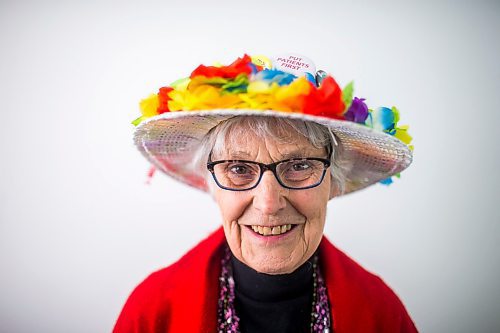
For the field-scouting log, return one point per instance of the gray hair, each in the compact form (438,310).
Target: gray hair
(280,129)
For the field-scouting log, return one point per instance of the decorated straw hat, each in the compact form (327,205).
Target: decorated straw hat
(175,120)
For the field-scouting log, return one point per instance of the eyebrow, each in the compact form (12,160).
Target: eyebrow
(298,153)
(239,154)
(295,154)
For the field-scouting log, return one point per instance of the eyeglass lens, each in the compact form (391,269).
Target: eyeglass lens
(297,174)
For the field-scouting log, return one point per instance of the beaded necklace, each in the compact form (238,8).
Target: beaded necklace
(228,321)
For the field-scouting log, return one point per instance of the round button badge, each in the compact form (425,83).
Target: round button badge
(295,64)
(262,61)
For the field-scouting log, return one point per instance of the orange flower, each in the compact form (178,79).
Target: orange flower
(325,101)
(163,99)
(239,66)
(294,94)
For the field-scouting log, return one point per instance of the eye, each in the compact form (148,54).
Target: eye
(238,174)
(297,170)
(300,166)
(239,169)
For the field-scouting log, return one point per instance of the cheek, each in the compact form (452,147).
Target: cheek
(231,205)
(313,206)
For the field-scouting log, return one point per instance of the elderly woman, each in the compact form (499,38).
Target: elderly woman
(272,141)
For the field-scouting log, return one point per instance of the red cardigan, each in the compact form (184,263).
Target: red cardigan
(183,297)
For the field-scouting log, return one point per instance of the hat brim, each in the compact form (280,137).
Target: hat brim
(170,140)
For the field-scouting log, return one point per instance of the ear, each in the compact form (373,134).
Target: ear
(334,188)
(210,188)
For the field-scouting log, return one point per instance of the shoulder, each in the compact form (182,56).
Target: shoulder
(359,293)
(165,281)
(152,301)
(346,272)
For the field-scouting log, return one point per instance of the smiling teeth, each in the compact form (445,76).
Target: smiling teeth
(266,231)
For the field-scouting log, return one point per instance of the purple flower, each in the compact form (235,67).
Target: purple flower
(357,112)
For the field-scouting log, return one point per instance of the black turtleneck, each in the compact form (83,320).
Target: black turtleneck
(273,303)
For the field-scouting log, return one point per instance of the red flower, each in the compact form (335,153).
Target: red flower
(240,65)
(325,101)
(163,98)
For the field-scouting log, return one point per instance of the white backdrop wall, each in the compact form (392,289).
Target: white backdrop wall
(79,228)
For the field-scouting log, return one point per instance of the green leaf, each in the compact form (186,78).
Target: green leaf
(138,121)
(236,86)
(180,84)
(396,115)
(347,93)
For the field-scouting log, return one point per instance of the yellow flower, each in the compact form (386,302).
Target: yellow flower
(203,97)
(261,87)
(402,134)
(299,87)
(291,97)
(149,105)
(257,102)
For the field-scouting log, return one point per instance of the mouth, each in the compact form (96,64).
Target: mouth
(272,231)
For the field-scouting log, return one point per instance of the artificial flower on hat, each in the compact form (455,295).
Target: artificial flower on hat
(326,100)
(239,66)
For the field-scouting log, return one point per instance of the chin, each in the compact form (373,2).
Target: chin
(279,271)
(274,267)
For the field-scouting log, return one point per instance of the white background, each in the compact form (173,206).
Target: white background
(79,229)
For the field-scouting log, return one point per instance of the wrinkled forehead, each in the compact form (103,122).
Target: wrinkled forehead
(250,137)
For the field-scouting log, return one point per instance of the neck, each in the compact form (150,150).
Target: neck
(272,288)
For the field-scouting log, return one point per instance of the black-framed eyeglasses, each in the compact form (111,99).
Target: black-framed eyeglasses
(293,173)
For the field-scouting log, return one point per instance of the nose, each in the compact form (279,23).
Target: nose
(269,195)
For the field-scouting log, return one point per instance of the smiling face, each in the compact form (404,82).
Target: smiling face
(272,229)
